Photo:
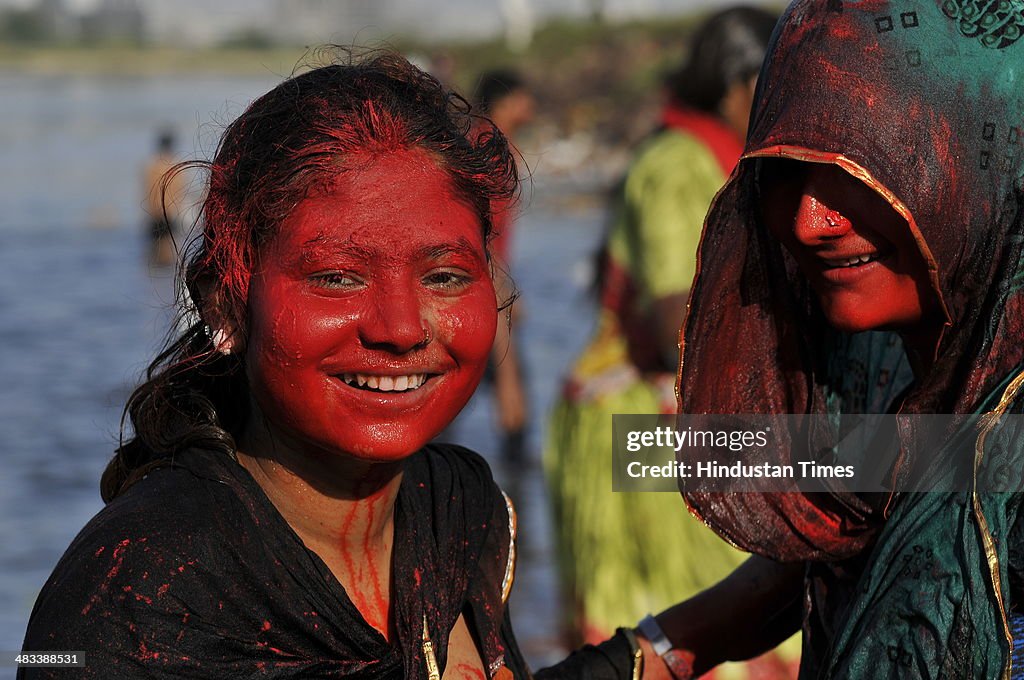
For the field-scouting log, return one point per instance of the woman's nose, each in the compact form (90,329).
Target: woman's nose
(821,214)
(397,323)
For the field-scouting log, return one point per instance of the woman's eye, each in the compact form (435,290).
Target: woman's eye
(447,280)
(336,280)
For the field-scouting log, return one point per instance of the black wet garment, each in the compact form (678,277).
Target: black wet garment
(193,573)
(613,659)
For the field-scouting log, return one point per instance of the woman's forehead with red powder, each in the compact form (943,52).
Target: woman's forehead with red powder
(389,200)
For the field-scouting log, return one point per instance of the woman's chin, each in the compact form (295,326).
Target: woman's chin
(386,449)
(857,314)
(848,325)
(856,318)
(858,321)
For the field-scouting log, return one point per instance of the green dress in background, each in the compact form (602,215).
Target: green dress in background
(622,555)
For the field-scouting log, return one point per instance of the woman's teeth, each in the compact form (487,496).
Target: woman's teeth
(853,261)
(385,383)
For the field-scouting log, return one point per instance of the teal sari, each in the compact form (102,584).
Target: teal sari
(924,102)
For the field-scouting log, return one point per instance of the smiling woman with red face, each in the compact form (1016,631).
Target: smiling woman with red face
(278,509)
(371,314)
(855,249)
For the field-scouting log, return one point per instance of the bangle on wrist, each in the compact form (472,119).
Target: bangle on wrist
(679,662)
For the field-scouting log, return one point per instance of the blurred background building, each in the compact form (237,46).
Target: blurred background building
(200,22)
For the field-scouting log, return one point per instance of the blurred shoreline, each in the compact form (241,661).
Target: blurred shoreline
(128,60)
(597,85)
(591,78)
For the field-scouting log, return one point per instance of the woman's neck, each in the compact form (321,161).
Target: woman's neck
(341,508)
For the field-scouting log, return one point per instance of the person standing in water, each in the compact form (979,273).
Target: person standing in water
(276,507)
(504,97)
(164,194)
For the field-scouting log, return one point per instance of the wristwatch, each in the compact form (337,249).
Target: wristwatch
(650,629)
(679,661)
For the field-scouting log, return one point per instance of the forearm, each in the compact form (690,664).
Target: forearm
(509,392)
(748,613)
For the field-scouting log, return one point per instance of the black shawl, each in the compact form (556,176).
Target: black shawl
(193,573)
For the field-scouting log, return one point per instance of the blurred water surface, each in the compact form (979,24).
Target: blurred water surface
(81,315)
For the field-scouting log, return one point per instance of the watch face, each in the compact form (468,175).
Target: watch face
(650,629)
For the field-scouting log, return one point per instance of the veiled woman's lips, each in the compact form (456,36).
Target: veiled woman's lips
(851,260)
(386,383)
(847,269)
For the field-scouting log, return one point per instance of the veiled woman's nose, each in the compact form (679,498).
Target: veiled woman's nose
(816,223)
(819,216)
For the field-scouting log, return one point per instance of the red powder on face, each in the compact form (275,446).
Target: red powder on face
(266,626)
(399,292)
(857,252)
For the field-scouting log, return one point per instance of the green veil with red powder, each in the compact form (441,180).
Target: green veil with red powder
(924,102)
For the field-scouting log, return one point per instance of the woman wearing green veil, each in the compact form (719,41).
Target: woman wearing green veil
(881,189)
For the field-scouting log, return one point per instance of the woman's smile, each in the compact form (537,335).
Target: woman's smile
(847,269)
(390,396)
(851,261)
(386,383)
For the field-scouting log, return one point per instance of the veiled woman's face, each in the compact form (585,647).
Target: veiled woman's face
(372,312)
(856,251)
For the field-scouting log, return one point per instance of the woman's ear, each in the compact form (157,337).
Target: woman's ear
(223,322)
(222,340)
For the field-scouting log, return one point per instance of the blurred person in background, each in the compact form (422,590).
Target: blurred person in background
(164,203)
(503,96)
(624,554)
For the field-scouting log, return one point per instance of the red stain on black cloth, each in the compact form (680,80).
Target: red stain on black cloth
(193,573)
